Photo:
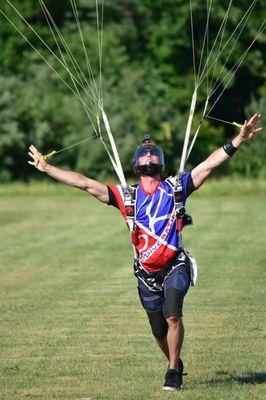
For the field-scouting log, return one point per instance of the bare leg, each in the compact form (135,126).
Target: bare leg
(175,338)
(162,343)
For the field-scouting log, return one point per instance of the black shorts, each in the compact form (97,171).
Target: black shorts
(170,298)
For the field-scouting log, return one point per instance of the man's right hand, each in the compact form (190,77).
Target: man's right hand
(38,159)
(96,189)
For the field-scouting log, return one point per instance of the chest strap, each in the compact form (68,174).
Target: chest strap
(182,218)
(130,207)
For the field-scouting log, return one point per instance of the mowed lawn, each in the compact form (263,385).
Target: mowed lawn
(71,323)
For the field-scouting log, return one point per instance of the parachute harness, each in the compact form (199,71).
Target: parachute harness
(182,218)
(130,207)
(179,205)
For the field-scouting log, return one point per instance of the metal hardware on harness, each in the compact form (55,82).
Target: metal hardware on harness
(156,281)
(193,267)
(179,205)
(183,219)
(153,282)
(130,206)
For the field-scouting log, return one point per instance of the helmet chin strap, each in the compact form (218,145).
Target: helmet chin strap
(149,169)
(150,174)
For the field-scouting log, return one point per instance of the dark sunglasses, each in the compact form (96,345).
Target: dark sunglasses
(153,150)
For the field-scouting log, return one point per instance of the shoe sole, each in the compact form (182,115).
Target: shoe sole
(170,389)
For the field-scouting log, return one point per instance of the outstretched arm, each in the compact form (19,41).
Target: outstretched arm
(74,179)
(200,173)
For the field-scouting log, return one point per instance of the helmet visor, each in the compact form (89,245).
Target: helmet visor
(152,150)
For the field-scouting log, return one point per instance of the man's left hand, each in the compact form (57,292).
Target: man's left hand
(250,128)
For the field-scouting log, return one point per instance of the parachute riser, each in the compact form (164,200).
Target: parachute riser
(188,130)
(119,169)
(198,129)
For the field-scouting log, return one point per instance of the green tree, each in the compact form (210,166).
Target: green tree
(147,86)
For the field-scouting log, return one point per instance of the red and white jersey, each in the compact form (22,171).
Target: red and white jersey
(157,240)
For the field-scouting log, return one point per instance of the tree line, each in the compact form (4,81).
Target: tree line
(148,81)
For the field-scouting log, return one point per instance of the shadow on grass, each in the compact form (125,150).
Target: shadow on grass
(250,378)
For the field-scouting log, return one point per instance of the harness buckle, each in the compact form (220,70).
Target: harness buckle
(130,207)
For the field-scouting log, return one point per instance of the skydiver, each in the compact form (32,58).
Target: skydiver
(161,264)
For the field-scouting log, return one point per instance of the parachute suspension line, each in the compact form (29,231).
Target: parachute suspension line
(78,143)
(115,160)
(45,44)
(59,76)
(185,151)
(205,38)
(184,155)
(44,59)
(193,42)
(214,89)
(100,47)
(96,100)
(102,44)
(96,111)
(207,44)
(48,17)
(99,91)
(52,153)
(219,48)
(193,100)
(74,63)
(204,73)
(89,68)
(91,97)
(224,121)
(237,65)
(188,130)
(216,86)
(249,10)
(202,76)
(119,171)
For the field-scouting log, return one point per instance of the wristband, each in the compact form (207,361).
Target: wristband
(229,149)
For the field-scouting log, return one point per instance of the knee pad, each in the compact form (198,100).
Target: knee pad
(173,303)
(158,323)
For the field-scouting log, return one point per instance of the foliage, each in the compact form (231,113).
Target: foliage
(148,83)
(251,159)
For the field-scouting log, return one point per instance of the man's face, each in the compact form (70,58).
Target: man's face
(148,157)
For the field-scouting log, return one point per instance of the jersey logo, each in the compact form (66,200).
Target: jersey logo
(156,211)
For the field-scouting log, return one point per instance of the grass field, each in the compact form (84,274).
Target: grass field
(71,323)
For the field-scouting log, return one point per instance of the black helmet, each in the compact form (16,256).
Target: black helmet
(149,168)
